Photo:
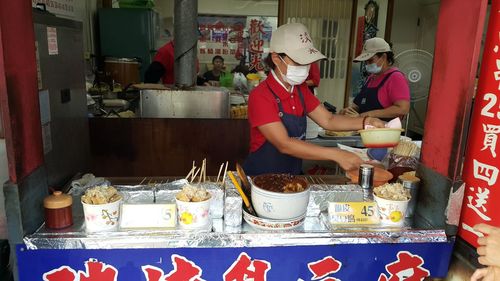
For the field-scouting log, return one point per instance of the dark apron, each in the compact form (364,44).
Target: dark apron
(268,159)
(367,99)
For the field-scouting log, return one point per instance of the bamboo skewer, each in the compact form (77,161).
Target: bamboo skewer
(220,170)
(190,172)
(195,174)
(225,171)
(205,170)
(201,173)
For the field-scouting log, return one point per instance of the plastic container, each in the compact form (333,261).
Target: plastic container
(380,137)
(58,212)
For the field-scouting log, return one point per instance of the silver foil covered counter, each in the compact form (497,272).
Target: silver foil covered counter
(314,231)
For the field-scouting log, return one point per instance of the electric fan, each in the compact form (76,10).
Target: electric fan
(416,65)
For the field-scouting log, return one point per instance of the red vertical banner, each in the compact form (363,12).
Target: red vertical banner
(482,159)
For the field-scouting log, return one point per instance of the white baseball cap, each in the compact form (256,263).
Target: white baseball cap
(373,46)
(294,40)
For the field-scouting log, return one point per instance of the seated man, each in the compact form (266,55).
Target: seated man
(212,76)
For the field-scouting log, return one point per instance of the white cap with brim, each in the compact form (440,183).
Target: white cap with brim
(373,46)
(294,40)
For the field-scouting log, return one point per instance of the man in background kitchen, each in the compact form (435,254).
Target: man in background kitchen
(212,76)
(162,66)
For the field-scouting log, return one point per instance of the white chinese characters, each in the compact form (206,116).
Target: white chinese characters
(490,138)
(485,172)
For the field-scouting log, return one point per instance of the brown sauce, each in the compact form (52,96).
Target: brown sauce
(283,183)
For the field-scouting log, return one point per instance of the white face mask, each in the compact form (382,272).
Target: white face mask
(295,74)
(373,68)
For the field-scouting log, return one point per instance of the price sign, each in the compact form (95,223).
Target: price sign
(148,216)
(353,213)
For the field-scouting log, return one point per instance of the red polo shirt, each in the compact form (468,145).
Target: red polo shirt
(263,109)
(165,56)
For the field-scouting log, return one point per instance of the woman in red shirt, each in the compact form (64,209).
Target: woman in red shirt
(278,107)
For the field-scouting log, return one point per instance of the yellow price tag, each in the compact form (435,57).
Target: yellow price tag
(353,213)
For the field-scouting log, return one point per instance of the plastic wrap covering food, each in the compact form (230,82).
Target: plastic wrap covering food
(86,181)
(403,158)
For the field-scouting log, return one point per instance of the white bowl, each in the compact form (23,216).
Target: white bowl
(279,205)
(380,137)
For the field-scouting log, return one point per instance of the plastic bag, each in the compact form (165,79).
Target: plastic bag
(239,81)
(226,80)
(398,164)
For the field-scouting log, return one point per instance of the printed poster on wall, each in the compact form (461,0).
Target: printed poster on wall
(235,38)
(52,40)
(220,35)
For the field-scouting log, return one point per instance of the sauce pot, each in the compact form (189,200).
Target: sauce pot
(58,213)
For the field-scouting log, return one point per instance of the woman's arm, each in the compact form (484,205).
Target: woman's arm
(336,122)
(399,108)
(277,135)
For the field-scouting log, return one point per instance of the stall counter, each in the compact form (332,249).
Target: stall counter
(313,251)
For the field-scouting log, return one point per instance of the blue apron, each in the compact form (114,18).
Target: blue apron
(268,159)
(367,99)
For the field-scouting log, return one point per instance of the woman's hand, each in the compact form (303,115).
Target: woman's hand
(490,273)
(351,111)
(375,122)
(489,245)
(348,160)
